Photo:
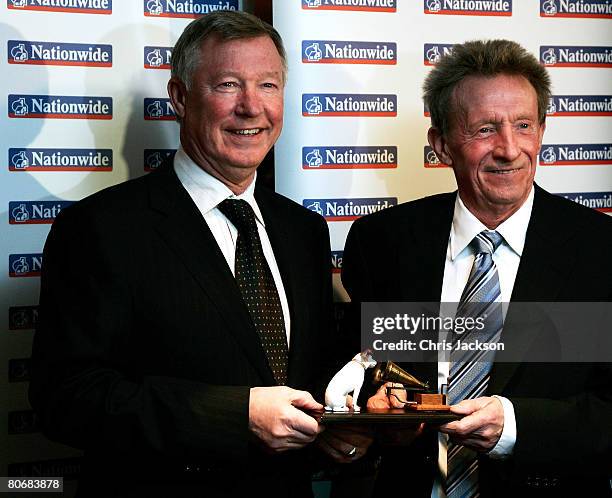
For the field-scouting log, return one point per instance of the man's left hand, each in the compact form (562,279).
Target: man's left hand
(345,444)
(482,425)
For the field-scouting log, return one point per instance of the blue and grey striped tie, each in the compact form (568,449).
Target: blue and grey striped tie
(469,370)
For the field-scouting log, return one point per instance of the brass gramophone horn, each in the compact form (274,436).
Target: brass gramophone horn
(393,373)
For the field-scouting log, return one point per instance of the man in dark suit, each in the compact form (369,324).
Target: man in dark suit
(534,429)
(184,316)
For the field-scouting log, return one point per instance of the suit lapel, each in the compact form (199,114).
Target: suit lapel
(543,268)
(540,277)
(182,227)
(425,267)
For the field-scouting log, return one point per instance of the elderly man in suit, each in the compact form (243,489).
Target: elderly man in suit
(184,315)
(527,429)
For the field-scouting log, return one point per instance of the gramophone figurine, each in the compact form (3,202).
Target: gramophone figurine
(416,391)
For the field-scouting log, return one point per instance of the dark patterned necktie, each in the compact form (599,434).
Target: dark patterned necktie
(469,370)
(257,286)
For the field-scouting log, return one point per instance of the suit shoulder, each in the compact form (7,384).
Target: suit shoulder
(121,192)
(114,202)
(405,213)
(288,207)
(573,214)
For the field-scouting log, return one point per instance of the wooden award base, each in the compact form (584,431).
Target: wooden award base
(429,402)
(385,416)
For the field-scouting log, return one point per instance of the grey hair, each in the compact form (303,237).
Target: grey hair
(224,25)
(481,58)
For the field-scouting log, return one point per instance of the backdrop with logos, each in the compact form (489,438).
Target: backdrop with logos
(84,106)
(355,134)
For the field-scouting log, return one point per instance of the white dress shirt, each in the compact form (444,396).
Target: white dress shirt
(459,261)
(207,192)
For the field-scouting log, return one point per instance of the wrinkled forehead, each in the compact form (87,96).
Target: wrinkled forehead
(258,52)
(495,96)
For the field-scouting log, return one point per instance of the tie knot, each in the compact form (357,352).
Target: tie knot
(240,213)
(486,242)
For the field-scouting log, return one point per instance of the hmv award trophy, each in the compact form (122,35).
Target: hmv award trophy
(421,404)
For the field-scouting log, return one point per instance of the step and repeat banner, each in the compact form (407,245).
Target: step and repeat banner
(84,106)
(355,135)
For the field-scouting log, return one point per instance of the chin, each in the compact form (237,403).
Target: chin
(507,199)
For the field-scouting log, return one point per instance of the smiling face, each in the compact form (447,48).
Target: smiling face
(492,144)
(233,113)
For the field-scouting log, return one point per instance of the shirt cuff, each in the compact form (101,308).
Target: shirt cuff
(505,446)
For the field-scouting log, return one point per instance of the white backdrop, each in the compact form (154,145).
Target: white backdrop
(364,50)
(70,129)
(84,106)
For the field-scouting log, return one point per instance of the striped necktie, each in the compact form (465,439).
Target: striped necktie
(469,370)
(257,286)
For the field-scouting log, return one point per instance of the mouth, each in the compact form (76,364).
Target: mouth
(507,171)
(246,132)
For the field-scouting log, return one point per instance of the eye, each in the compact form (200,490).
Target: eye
(270,85)
(485,129)
(228,84)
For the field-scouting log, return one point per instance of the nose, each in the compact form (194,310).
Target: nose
(250,103)
(506,145)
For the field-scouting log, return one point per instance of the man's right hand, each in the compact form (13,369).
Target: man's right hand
(277,419)
(398,435)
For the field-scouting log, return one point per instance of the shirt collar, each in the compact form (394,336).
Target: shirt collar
(466,226)
(206,190)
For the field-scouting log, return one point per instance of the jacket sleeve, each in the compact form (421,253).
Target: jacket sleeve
(82,391)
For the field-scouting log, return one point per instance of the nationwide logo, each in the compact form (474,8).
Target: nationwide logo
(336,259)
(186,8)
(25,265)
(357,157)
(430,158)
(357,5)
(575,154)
(469,7)
(23,422)
(157,57)
(158,110)
(340,104)
(23,317)
(19,370)
(59,107)
(69,468)
(154,158)
(59,54)
(576,8)
(600,201)
(580,105)
(71,6)
(348,209)
(21,159)
(566,56)
(432,52)
(348,52)
(35,212)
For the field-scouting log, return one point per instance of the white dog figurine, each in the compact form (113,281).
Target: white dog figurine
(348,379)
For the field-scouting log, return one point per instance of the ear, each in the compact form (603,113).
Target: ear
(178,96)
(542,130)
(438,143)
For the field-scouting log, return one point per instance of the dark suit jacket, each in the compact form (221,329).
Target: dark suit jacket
(145,352)
(563,411)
